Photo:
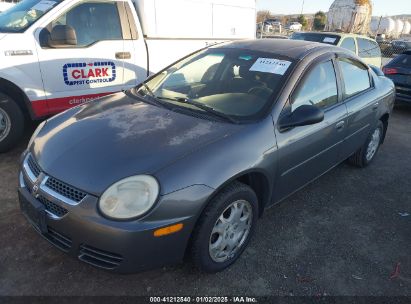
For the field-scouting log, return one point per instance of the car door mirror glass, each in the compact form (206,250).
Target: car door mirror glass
(304,115)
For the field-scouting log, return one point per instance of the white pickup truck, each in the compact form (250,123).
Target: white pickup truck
(56,54)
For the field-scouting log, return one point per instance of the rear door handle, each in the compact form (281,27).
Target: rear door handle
(123,55)
(375,105)
(340,125)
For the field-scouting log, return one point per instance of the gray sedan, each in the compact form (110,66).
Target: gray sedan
(183,165)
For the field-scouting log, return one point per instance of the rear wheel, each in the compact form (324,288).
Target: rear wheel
(225,228)
(366,154)
(11,123)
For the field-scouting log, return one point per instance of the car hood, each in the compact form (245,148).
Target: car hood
(94,145)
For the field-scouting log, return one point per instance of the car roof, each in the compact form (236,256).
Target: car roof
(294,49)
(339,34)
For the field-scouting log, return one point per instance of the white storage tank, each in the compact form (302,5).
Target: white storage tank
(399,26)
(351,16)
(384,25)
(407,28)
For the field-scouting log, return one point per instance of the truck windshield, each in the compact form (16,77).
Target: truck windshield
(21,16)
(235,83)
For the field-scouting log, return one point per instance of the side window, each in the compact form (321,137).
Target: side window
(356,76)
(93,22)
(318,88)
(349,44)
(368,48)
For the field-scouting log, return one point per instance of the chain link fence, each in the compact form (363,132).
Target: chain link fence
(390,46)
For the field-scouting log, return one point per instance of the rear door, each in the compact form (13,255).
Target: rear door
(361,100)
(307,152)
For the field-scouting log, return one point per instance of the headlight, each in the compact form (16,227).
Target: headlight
(36,132)
(130,197)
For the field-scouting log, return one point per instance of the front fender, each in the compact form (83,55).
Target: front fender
(251,149)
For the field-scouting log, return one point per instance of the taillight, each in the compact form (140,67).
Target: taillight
(390,71)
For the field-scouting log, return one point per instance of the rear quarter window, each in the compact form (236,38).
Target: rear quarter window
(355,75)
(368,48)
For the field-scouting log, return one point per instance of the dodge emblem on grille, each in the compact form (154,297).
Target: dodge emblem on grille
(35,189)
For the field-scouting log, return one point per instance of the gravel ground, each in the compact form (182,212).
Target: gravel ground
(342,235)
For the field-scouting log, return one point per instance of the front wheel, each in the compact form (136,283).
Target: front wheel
(366,154)
(11,123)
(225,228)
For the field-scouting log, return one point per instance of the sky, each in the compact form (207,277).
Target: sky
(380,7)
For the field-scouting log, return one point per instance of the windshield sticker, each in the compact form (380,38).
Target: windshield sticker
(88,73)
(44,5)
(269,65)
(329,40)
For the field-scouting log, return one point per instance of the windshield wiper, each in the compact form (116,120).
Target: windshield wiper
(153,100)
(201,106)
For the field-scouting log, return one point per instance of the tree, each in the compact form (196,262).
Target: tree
(303,21)
(319,21)
(262,16)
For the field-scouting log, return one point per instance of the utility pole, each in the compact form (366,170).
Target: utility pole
(302,7)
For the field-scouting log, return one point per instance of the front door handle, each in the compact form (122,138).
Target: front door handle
(123,55)
(375,105)
(340,125)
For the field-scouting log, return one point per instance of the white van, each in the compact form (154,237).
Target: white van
(56,54)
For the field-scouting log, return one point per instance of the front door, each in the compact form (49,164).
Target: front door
(307,152)
(73,74)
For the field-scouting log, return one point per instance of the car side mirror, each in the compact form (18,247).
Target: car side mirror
(302,116)
(62,36)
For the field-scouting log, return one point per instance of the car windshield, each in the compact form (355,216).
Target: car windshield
(317,37)
(235,83)
(21,16)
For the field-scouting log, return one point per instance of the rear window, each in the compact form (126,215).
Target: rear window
(368,48)
(317,37)
(402,60)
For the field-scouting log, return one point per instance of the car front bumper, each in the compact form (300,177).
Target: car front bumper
(119,246)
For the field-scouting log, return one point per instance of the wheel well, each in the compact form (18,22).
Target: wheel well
(259,183)
(10,89)
(384,119)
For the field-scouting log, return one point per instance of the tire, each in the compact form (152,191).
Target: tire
(236,196)
(11,123)
(364,156)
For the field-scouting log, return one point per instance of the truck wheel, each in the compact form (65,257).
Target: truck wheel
(225,228)
(11,123)
(365,155)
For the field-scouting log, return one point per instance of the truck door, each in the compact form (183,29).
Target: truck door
(89,67)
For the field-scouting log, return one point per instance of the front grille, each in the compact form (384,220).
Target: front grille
(52,207)
(35,169)
(49,205)
(58,239)
(65,190)
(99,258)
